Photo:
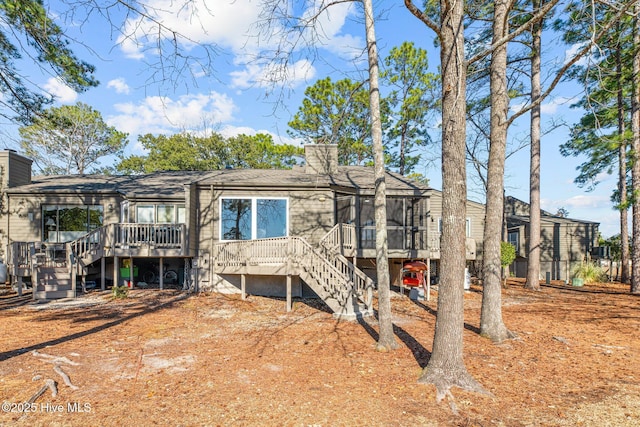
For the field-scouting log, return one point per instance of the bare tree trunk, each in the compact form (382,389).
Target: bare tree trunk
(386,339)
(622,173)
(446,367)
(533,253)
(635,128)
(491,323)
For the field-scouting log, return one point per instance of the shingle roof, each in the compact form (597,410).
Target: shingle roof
(160,183)
(171,183)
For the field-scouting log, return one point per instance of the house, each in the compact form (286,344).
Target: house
(308,231)
(565,242)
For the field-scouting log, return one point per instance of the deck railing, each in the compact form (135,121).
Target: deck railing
(157,235)
(92,245)
(338,282)
(46,254)
(341,239)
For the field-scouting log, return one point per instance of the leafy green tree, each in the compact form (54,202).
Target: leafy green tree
(260,152)
(182,151)
(70,139)
(413,99)
(29,30)
(336,113)
(602,134)
(185,151)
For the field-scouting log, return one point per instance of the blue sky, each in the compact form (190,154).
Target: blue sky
(232,97)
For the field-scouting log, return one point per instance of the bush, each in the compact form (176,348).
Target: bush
(589,272)
(120,291)
(507,253)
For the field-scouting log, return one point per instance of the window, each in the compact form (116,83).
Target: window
(253,218)
(182,215)
(64,223)
(467,226)
(124,211)
(161,214)
(145,214)
(166,214)
(344,210)
(513,237)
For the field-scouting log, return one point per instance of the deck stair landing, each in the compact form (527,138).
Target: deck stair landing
(54,283)
(343,287)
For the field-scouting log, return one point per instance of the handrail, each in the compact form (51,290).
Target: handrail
(337,280)
(91,243)
(341,239)
(158,235)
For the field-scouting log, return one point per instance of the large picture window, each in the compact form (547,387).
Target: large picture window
(64,223)
(161,214)
(253,218)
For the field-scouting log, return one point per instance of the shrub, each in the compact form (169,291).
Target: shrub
(507,253)
(589,272)
(120,291)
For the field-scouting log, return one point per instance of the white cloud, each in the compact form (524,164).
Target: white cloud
(328,27)
(579,201)
(156,114)
(233,25)
(120,86)
(229,131)
(572,51)
(63,93)
(347,47)
(227,24)
(265,75)
(552,106)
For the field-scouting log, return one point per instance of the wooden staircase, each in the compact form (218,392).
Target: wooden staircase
(53,283)
(343,287)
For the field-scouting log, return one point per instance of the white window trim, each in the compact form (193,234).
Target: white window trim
(254,214)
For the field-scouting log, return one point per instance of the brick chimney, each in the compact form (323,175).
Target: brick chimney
(321,159)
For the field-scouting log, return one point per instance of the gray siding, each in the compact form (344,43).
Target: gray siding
(475,213)
(311,212)
(25,214)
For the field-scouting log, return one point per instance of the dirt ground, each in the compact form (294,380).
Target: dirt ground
(167,358)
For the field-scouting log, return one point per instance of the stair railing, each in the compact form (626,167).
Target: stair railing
(334,282)
(339,240)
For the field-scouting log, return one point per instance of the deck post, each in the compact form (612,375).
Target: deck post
(103,273)
(116,272)
(243,286)
(161,272)
(19,285)
(130,272)
(289,292)
(34,271)
(74,277)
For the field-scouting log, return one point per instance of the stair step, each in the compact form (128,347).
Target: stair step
(52,287)
(54,294)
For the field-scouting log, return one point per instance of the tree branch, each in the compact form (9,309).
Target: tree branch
(421,15)
(521,29)
(586,49)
